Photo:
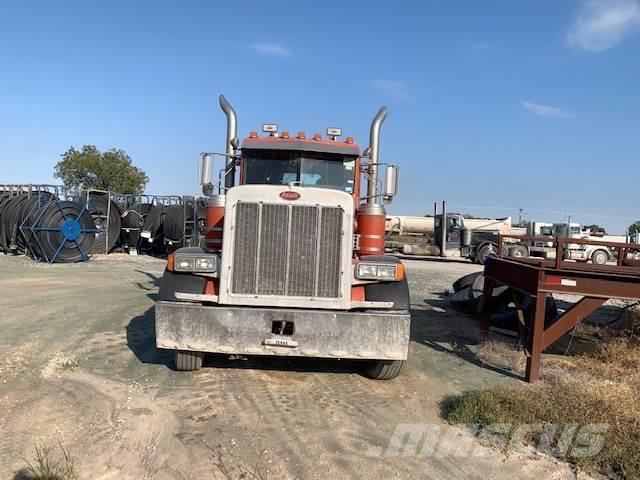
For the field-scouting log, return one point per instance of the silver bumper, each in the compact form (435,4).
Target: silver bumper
(316,333)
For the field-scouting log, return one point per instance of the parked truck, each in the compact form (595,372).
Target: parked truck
(597,254)
(454,240)
(293,263)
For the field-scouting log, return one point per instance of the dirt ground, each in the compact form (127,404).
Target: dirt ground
(79,368)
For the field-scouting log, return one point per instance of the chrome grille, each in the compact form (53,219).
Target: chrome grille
(287,250)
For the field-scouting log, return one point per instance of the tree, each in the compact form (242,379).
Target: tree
(634,227)
(89,168)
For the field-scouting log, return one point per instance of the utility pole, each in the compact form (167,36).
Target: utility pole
(520,210)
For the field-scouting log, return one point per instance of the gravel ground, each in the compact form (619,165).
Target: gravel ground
(79,368)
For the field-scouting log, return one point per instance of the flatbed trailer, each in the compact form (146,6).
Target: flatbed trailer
(540,278)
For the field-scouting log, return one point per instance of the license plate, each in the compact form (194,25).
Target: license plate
(280,342)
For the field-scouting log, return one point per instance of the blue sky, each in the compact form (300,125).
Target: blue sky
(495,105)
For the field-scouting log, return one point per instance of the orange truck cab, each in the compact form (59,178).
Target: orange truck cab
(293,261)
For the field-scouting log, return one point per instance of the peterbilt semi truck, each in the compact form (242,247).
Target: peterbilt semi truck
(293,262)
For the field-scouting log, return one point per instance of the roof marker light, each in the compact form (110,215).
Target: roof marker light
(301,135)
(317,136)
(349,139)
(270,128)
(253,135)
(334,132)
(284,134)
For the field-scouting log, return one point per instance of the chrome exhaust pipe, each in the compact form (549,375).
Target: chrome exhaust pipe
(374,145)
(232,142)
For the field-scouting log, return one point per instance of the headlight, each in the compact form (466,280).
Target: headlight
(367,270)
(377,271)
(188,262)
(387,272)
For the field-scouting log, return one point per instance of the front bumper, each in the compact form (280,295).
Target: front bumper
(315,333)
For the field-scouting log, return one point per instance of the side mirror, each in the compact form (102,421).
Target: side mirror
(205,168)
(205,174)
(391,182)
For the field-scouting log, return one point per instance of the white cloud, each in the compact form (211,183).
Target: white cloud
(393,88)
(273,49)
(546,110)
(601,24)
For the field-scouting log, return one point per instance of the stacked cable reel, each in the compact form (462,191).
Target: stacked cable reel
(59,231)
(106,217)
(35,220)
(47,223)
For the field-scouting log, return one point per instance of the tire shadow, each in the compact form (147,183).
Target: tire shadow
(141,340)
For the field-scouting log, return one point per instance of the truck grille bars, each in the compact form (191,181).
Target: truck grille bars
(287,250)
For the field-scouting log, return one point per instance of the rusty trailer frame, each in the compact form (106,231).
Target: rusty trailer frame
(539,278)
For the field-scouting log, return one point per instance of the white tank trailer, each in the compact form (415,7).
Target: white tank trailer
(470,238)
(412,225)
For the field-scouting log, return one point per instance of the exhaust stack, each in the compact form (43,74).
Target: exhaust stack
(232,141)
(374,146)
(371,215)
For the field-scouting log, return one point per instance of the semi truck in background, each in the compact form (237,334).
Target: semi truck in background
(597,254)
(294,261)
(448,235)
(425,236)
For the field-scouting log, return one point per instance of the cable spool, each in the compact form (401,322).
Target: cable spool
(13,214)
(33,203)
(133,219)
(152,230)
(4,198)
(8,207)
(58,231)
(173,227)
(106,219)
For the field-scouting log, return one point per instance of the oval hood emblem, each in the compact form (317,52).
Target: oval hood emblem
(289,195)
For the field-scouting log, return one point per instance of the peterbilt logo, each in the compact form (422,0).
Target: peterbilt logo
(289,195)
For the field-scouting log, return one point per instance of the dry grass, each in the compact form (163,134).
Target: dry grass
(49,465)
(597,387)
(507,355)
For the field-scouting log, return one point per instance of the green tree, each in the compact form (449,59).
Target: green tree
(634,227)
(92,169)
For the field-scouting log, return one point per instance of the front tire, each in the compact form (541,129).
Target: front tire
(384,369)
(484,252)
(599,257)
(518,251)
(188,361)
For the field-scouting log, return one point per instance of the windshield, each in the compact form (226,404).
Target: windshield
(307,169)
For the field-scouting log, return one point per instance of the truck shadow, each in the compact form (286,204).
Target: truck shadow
(438,326)
(141,340)
(151,286)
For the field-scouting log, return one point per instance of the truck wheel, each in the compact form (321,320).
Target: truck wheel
(383,369)
(484,252)
(188,361)
(518,251)
(600,257)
